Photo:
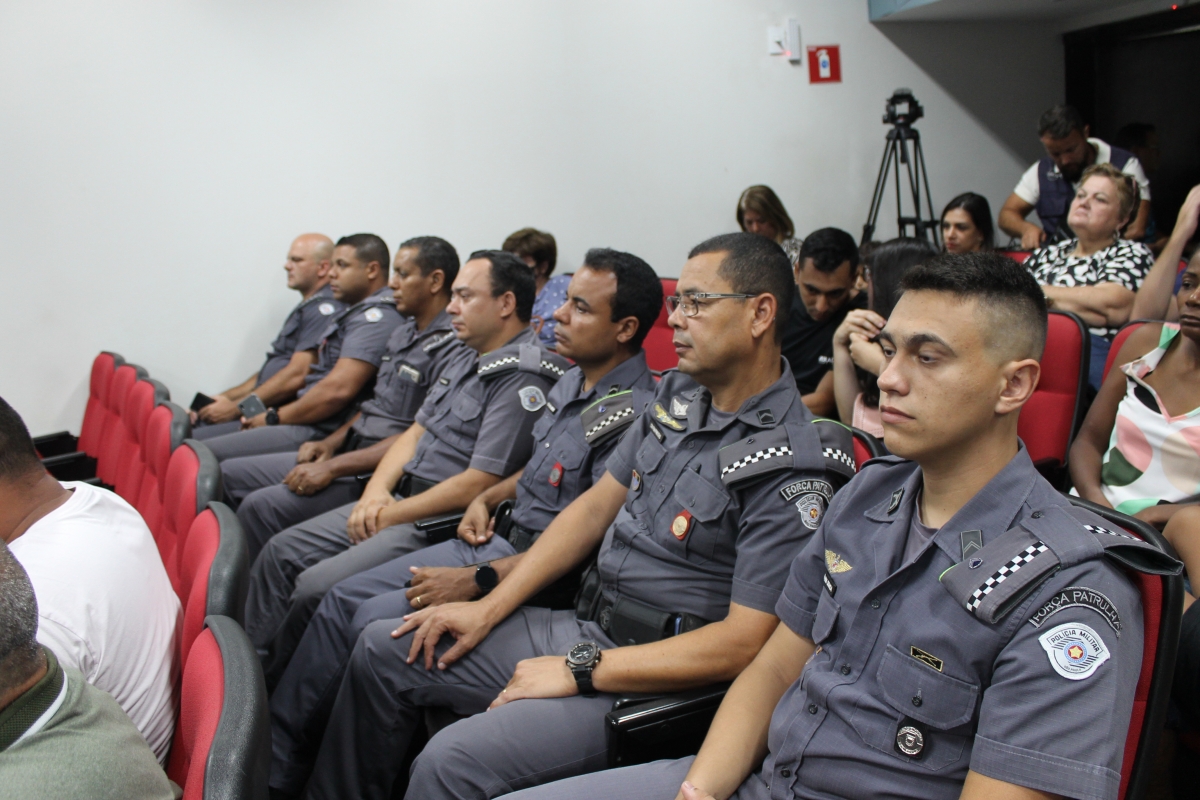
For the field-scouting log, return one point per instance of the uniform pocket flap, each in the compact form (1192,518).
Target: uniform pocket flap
(650,455)
(465,406)
(569,453)
(918,690)
(705,501)
(825,622)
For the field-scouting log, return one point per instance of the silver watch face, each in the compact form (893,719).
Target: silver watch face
(582,653)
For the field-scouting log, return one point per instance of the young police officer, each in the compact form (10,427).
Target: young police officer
(712,491)
(274,491)
(611,304)
(473,432)
(955,628)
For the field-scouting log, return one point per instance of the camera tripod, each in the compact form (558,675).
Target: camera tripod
(895,153)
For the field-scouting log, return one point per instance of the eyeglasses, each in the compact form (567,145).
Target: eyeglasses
(689,301)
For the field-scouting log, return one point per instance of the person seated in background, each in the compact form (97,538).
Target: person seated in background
(967,224)
(473,431)
(106,605)
(612,303)
(1155,296)
(540,252)
(1141,139)
(825,275)
(913,682)
(857,355)
(274,491)
(348,357)
(309,261)
(1050,185)
(759,210)
(60,737)
(705,511)
(1097,273)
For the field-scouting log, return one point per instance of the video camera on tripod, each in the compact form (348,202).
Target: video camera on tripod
(895,153)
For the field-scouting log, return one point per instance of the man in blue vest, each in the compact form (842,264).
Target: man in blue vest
(1049,185)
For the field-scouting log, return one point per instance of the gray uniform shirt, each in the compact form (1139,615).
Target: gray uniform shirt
(301,330)
(575,436)
(481,414)
(716,511)
(412,361)
(1039,695)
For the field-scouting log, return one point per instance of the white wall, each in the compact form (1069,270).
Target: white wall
(157,158)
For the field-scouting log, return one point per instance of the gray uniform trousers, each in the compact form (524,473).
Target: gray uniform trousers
(659,780)
(204,431)
(298,566)
(254,486)
(520,744)
(301,700)
(267,439)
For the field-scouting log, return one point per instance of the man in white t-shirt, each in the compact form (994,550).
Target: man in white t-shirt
(1049,185)
(105,604)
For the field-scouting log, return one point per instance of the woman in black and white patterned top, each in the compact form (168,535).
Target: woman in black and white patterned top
(1097,274)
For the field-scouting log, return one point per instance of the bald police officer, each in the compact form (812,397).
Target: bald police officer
(274,491)
(956,628)
(309,262)
(472,432)
(612,302)
(347,359)
(709,496)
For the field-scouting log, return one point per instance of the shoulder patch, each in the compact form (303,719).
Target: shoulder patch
(326,309)
(811,498)
(760,454)
(532,398)
(607,417)
(1075,650)
(373,314)
(1078,597)
(438,340)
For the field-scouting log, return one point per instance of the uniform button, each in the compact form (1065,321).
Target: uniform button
(660,488)
(785,773)
(547,445)
(691,445)
(875,603)
(1037,515)
(812,708)
(845,669)
(917,700)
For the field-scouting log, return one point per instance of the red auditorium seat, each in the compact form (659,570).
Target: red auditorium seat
(214,572)
(1050,418)
(1018,256)
(141,399)
(660,353)
(113,436)
(1118,341)
(193,480)
(222,744)
(866,447)
(95,415)
(166,429)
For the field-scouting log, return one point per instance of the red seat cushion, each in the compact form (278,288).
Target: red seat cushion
(195,562)
(201,697)
(660,353)
(1046,419)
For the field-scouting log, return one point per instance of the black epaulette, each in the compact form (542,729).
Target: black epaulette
(762,453)
(438,340)
(994,580)
(1126,549)
(608,417)
(837,448)
(525,358)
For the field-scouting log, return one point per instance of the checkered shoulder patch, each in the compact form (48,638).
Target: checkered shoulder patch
(757,455)
(1006,571)
(437,340)
(608,417)
(837,446)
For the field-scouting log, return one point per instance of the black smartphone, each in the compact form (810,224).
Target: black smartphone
(252,407)
(201,400)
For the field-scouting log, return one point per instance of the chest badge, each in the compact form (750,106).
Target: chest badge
(897,496)
(678,409)
(835,563)
(373,314)
(635,485)
(326,309)
(662,416)
(1075,650)
(556,474)
(910,739)
(532,398)
(681,525)
(927,659)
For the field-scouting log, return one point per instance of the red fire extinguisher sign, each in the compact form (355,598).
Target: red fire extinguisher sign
(824,63)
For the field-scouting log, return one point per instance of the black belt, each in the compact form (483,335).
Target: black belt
(407,487)
(629,622)
(521,538)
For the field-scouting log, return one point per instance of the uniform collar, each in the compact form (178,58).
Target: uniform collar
(438,324)
(764,410)
(526,336)
(621,377)
(992,510)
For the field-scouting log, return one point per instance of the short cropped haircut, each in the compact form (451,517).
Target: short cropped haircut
(828,248)
(535,244)
(18,623)
(511,274)
(1013,304)
(1058,122)
(367,248)
(754,265)
(18,457)
(1128,193)
(980,212)
(763,201)
(434,253)
(639,290)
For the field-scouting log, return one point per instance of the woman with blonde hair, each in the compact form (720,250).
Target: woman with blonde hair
(759,210)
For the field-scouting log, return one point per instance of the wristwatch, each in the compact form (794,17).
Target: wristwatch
(582,660)
(486,577)
(272,416)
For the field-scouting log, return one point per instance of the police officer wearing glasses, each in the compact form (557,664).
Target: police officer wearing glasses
(706,500)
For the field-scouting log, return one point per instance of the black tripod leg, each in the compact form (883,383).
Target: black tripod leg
(877,195)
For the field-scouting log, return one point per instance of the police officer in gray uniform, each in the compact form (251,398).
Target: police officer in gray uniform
(309,261)
(272,492)
(347,360)
(956,628)
(473,431)
(706,500)
(612,302)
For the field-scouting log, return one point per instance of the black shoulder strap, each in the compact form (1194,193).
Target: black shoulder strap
(837,448)
(762,453)
(608,417)
(437,340)
(524,357)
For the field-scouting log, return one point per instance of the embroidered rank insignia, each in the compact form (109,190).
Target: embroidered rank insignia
(1075,650)
(897,496)
(635,484)
(972,542)
(765,417)
(681,525)
(836,563)
(678,409)
(326,309)
(556,474)
(373,314)
(444,381)
(925,658)
(830,586)
(532,398)
(438,341)
(658,434)
(662,416)
(1079,597)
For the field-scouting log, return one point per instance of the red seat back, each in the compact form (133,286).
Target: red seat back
(139,402)
(166,429)
(866,447)
(660,353)
(95,415)
(1050,417)
(1018,256)
(195,561)
(193,480)
(1117,342)
(202,696)
(114,431)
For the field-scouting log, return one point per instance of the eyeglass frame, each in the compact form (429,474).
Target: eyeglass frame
(678,299)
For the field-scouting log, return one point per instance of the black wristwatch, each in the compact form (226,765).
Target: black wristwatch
(582,660)
(272,416)
(486,577)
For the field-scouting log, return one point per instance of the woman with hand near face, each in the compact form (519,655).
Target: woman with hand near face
(759,210)
(1096,274)
(967,224)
